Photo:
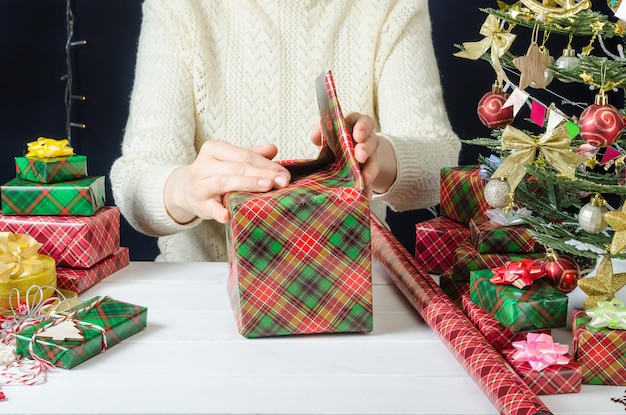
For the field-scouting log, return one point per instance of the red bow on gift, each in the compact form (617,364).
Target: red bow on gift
(518,273)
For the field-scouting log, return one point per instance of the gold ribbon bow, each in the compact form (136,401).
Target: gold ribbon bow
(496,39)
(48,148)
(554,146)
(18,256)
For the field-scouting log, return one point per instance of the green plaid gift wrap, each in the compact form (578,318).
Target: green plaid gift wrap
(490,238)
(102,321)
(539,306)
(300,257)
(82,197)
(462,193)
(601,352)
(52,170)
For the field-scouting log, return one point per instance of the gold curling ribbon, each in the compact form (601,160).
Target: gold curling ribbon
(496,39)
(49,148)
(18,256)
(554,146)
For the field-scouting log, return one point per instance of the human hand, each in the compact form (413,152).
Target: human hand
(374,153)
(220,167)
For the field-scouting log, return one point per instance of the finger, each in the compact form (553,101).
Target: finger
(362,126)
(268,151)
(214,209)
(316,137)
(223,151)
(364,151)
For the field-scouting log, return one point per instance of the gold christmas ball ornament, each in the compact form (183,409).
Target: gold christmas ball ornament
(557,8)
(497,193)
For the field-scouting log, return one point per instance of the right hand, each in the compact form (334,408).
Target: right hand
(220,167)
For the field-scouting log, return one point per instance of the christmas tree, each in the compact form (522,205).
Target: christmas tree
(558,162)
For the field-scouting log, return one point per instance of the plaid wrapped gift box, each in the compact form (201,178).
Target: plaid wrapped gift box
(490,238)
(537,307)
(52,170)
(300,257)
(436,241)
(600,352)
(554,379)
(82,197)
(496,334)
(73,241)
(462,193)
(468,259)
(455,289)
(79,279)
(117,319)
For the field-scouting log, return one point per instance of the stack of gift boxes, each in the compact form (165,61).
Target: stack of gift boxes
(53,200)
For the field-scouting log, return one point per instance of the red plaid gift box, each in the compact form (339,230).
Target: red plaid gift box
(300,257)
(490,238)
(600,352)
(462,193)
(455,289)
(499,336)
(554,379)
(79,279)
(436,241)
(73,241)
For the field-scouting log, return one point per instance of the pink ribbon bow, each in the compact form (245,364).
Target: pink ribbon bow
(540,351)
(518,273)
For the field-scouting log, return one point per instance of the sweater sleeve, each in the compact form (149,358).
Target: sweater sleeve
(159,135)
(410,107)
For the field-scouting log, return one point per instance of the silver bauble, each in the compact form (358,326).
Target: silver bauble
(497,193)
(591,216)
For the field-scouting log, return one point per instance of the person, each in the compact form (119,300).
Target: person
(225,88)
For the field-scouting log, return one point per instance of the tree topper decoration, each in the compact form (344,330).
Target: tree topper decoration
(557,8)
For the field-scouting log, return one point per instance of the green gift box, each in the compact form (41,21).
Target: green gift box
(96,320)
(539,306)
(82,197)
(490,238)
(52,170)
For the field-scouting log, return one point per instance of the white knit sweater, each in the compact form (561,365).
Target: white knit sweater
(244,71)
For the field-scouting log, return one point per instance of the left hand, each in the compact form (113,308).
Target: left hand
(373,152)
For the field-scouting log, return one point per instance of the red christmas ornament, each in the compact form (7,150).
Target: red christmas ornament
(490,111)
(561,271)
(601,124)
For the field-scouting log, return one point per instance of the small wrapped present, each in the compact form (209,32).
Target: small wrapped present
(82,197)
(300,257)
(23,267)
(52,170)
(601,352)
(436,241)
(533,308)
(462,193)
(73,241)
(545,367)
(95,325)
(455,289)
(490,238)
(496,334)
(79,279)
(467,259)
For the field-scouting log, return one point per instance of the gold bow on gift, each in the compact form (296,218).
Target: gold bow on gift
(553,146)
(496,39)
(18,256)
(48,148)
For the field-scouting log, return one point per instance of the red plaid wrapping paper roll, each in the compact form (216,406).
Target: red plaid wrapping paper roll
(436,241)
(299,257)
(73,241)
(498,381)
(79,279)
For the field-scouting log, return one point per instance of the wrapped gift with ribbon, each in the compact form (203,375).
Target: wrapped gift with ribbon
(488,237)
(601,351)
(462,191)
(545,366)
(300,257)
(608,314)
(436,240)
(88,329)
(50,161)
(520,273)
(21,267)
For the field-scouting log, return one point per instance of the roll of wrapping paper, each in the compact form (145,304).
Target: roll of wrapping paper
(491,372)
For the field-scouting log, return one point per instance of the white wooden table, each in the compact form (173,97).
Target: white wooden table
(191,360)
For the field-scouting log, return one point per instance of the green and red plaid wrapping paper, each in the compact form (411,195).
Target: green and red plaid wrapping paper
(73,241)
(82,197)
(496,334)
(490,238)
(79,279)
(300,257)
(600,352)
(455,289)
(462,191)
(468,259)
(436,241)
(539,306)
(52,170)
(554,379)
(118,319)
